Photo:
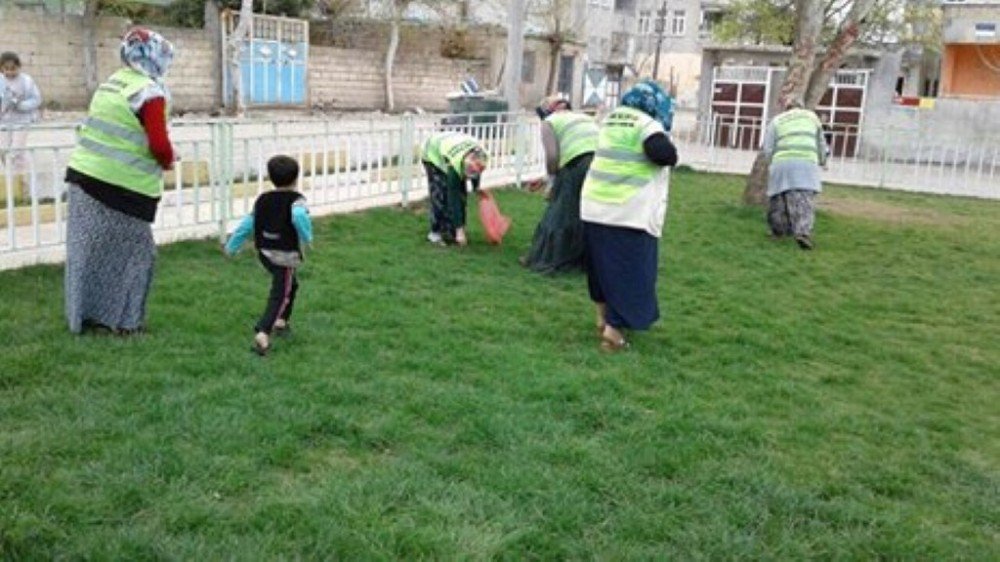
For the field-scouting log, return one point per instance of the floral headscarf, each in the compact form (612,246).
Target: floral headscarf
(647,96)
(147,51)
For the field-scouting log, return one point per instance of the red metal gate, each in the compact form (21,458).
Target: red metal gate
(739,105)
(741,96)
(841,109)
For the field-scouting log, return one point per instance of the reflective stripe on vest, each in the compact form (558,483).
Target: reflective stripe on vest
(795,136)
(445,150)
(620,167)
(575,132)
(112,145)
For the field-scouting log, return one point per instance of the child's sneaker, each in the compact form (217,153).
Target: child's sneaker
(435,238)
(282,329)
(261,344)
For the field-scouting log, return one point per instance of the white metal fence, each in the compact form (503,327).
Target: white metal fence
(361,163)
(884,157)
(346,165)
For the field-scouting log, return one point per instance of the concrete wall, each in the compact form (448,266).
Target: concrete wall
(959,21)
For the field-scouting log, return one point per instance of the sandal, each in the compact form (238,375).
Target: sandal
(614,346)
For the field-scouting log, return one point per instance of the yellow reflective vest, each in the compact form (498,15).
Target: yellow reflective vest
(796,131)
(623,187)
(576,134)
(448,149)
(111,143)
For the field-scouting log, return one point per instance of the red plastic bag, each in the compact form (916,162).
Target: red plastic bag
(495,224)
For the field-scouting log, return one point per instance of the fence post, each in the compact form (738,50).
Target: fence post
(405,163)
(222,169)
(520,147)
(884,155)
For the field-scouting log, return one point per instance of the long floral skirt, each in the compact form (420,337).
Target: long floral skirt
(109,265)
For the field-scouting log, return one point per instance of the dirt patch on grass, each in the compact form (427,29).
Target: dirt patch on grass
(887,212)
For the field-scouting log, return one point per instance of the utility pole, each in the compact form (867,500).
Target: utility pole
(661,24)
(515,54)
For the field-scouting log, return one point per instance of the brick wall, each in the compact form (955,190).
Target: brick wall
(51,52)
(349,79)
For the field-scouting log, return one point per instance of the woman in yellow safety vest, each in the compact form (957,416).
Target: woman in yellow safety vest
(622,206)
(114,180)
(796,145)
(569,139)
(451,159)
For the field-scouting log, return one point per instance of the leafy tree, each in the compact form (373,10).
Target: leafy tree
(767,22)
(808,78)
(757,22)
(830,27)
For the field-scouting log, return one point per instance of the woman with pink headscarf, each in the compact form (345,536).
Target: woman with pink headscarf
(114,180)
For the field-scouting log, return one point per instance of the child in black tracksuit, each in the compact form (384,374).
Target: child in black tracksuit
(280,225)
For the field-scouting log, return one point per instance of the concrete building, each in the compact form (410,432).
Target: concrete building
(970,61)
(687,28)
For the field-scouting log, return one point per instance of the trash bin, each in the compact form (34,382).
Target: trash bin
(477,104)
(473,113)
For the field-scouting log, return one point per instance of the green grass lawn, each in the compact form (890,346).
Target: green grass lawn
(441,404)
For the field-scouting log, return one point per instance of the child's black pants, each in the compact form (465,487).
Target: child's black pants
(281,299)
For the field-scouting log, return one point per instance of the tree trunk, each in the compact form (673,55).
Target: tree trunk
(390,58)
(90,78)
(550,83)
(515,54)
(555,48)
(847,34)
(242,31)
(808,25)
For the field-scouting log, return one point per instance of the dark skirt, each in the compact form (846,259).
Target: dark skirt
(621,273)
(557,245)
(109,265)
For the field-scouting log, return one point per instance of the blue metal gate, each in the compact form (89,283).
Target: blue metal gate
(273,61)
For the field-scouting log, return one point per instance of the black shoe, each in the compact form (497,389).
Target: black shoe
(804,241)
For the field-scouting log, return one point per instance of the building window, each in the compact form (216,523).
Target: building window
(678,23)
(528,67)
(709,19)
(625,6)
(645,23)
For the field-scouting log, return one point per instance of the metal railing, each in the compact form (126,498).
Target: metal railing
(367,162)
(873,156)
(346,165)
